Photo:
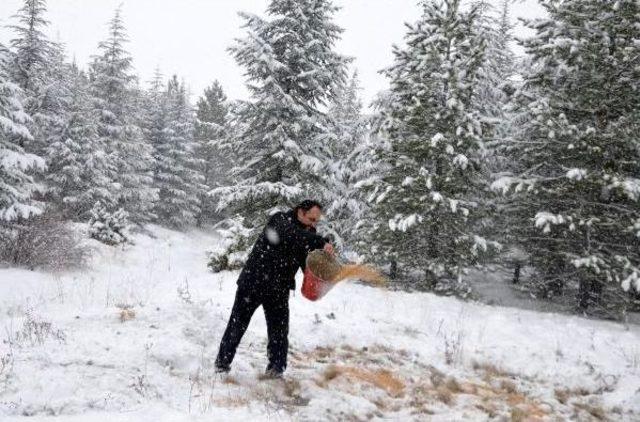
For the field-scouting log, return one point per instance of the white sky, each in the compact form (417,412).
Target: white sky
(190,37)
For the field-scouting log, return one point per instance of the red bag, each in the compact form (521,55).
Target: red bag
(314,288)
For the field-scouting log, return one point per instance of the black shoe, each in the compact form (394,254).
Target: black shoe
(222,369)
(272,374)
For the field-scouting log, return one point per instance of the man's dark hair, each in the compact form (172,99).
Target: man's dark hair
(306,205)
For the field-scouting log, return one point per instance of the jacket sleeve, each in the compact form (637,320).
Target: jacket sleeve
(292,236)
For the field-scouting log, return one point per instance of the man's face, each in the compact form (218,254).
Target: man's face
(309,218)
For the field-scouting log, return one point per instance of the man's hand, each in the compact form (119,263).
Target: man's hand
(328,247)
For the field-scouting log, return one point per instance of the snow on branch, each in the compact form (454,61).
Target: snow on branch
(576,174)
(14,159)
(403,223)
(505,183)
(16,211)
(545,219)
(229,195)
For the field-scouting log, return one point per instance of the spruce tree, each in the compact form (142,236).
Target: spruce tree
(349,163)
(177,177)
(494,85)
(129,157)
(34,69)
(575,194)
(153,117)
(31,46)
(292,70)
(16,183)
(77,163)
(425,211)
(492,95)
(211,133)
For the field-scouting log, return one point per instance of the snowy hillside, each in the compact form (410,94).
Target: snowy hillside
(134,339)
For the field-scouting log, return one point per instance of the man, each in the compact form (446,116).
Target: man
(266,279)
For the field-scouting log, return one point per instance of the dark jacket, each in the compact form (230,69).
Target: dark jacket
(280,250)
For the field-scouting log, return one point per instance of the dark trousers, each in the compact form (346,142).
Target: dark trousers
(276,312)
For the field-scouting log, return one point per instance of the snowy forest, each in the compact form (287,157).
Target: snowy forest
(476,167)
(473,158)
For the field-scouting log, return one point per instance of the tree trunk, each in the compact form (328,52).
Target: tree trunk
(589,293)
(516,274)
(393,270)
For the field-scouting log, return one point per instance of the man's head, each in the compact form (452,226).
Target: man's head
(308,212)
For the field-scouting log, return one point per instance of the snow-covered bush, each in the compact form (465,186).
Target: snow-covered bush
(45,242)
(107,227)
(236,241)
(457,288)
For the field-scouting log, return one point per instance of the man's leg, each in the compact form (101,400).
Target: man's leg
(243,308)
(276,312)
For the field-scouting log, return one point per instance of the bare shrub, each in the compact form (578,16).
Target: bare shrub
(36,331)
(43,242)
(184,294)
(631,357)
(202,385)
(453,347)
(140,382)
(6,366)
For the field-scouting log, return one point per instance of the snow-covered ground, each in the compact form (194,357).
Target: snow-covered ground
(134,339)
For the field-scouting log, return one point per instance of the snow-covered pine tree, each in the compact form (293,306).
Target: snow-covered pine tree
(16,184)
(35,68)
(110,228)
(492,94)
(177,177)
(576,199)
(153,119)
(129,157)
(425,216)
(211,133)
(31,47)
(76,174)
(292,70)
(349,162)
(494,85)
(370,165)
